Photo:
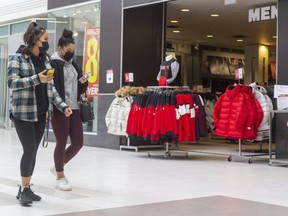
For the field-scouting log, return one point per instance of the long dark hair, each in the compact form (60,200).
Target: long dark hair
(66,38)
(32,34)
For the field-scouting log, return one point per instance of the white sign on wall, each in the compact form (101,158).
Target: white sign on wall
(263,13)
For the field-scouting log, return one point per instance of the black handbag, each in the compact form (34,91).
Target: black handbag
(86,110)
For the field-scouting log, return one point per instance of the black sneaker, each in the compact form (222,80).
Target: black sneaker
(30,193)
(24,198)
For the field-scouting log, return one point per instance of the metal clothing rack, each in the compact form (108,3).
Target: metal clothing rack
(136,148)
(168,152)
(240,155)
(250,156)
(168,87)
(150,146)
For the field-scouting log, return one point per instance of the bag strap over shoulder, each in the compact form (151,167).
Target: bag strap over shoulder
(46,133)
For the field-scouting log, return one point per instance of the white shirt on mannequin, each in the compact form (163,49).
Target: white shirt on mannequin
(174,69)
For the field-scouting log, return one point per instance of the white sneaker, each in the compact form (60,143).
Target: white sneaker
(62,184)
(53,171)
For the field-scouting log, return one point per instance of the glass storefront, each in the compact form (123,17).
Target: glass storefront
(3,92)
(84,21)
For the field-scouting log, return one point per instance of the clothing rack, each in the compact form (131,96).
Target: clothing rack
(169,151)
(183,88)
(150,146)
(250,156)
(136,148)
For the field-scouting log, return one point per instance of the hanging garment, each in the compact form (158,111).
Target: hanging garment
(236,114)
(117,115)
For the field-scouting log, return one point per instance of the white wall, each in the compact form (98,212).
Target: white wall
(14,10)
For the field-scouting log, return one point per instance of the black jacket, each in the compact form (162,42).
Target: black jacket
(59,78)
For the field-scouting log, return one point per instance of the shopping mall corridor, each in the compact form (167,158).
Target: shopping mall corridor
(112,182)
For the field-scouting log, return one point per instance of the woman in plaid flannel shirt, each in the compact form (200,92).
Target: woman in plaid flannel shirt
(32,95)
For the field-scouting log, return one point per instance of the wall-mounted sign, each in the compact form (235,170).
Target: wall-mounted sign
(238,73)
(109,76)
(263,13)
(129,77)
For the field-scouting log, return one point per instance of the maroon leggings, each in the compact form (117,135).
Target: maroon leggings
(63,127)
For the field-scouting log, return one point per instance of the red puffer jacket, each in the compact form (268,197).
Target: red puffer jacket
(255,113)
(232,114)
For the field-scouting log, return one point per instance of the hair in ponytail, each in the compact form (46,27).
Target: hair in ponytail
(66,38)
(32,34)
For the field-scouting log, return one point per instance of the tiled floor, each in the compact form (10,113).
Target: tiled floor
(112,182)
(204,206)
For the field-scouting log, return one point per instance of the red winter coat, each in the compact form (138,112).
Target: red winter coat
(231,114)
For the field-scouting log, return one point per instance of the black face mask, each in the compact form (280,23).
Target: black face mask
(68,56)
(44,48)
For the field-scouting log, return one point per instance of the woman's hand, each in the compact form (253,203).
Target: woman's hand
(44,78)
(68,112)
(83,79)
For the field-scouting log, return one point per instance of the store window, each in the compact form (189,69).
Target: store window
(84,21)
(19,28)
(3,92)
(4,31)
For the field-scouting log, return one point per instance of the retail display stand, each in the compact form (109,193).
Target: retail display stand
(167,145)
(150,146)
(136,148)
(249,156)
(169,151)
(173,151)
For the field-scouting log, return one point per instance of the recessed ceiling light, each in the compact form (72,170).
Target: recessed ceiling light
(239,40)
(75,33)
(209,36)
(57,21)
(174,21)
(176,31)
(214,15)
(185,10)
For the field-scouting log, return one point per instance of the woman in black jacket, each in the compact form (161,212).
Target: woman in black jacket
(66,79)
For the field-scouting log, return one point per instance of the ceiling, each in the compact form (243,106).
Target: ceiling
(232,23)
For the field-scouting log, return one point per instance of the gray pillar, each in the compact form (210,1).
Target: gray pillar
(281,134)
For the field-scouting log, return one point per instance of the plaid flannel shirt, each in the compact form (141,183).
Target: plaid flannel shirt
(22,80)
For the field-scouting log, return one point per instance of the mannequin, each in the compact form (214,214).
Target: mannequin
(168,71)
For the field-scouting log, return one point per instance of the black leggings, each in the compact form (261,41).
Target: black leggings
(30,135)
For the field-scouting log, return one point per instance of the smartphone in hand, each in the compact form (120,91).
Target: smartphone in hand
(85,76)
(49,71)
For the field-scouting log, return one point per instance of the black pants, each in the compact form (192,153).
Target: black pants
(30,135)
(64,127)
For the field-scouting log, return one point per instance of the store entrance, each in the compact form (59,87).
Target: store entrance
(213,41)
